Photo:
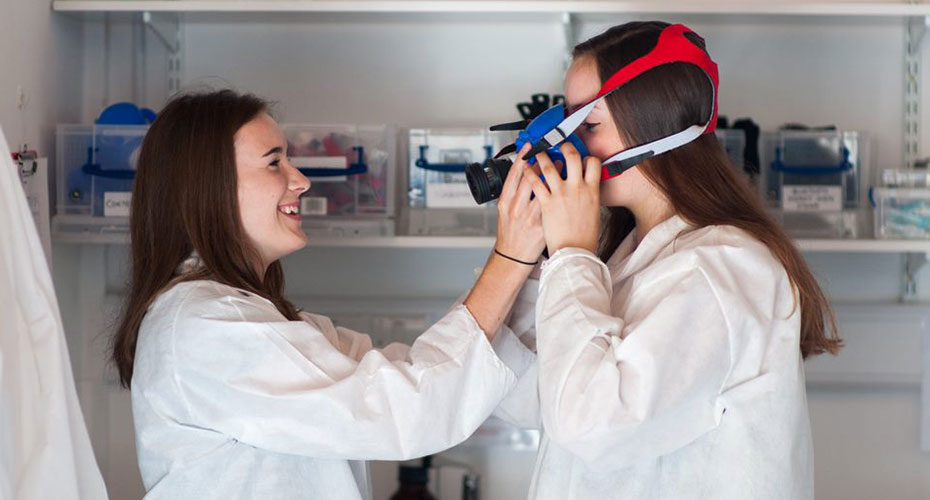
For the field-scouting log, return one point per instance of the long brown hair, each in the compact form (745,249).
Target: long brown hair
(184,199)
(696,178)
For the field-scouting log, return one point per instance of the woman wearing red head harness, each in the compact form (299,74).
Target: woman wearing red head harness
(673,317)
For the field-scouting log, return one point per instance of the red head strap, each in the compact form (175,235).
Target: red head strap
(672,47)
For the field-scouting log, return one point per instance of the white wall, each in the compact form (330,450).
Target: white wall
(458,70)
(123,60)
(443,72)
(40,54)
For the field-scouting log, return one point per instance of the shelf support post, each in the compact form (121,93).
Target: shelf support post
(925,397)
(174,43)
(570,34)
(913,262)
(913,36)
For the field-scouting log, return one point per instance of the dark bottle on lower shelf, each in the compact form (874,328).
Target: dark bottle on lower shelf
(413,480)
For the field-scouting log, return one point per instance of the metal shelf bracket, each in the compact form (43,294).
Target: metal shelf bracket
(174,44)
(913,262)
(913,37)
(570,37)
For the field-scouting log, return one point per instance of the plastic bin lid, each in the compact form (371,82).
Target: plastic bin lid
(902,192)
(125,113)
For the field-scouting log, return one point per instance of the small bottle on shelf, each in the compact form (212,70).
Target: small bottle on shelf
(413,481)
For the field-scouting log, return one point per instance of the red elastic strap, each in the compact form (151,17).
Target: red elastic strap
(672,47)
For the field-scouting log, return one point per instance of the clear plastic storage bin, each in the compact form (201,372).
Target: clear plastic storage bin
(352,173)
(733,142)
(819,171)
(902,213)
(813,180)
(95,168)
(440,202)
(892,177)
(841,224)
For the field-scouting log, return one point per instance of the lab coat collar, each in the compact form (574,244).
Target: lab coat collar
(630,258)
(192,263)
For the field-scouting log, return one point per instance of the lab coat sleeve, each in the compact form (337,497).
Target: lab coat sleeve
(285,386)
(515,344)
(351,343)
(616,393)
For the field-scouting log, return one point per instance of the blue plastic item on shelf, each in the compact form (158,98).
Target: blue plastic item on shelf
(901,213)
(829,163)
(352,174)
(112,149)
(96,162)
(456,168)
(125,113)
(357,168)
(148,115)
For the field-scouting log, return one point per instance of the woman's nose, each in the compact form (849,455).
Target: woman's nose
(298,181)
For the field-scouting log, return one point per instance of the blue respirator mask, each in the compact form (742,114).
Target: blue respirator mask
(486,180)
(554,126)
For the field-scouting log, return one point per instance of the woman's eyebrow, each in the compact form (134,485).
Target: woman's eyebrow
(272,151)
(574,107)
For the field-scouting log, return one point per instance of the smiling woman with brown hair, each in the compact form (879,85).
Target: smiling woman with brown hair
(235,392)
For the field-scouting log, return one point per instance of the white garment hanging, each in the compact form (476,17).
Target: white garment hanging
(45,452)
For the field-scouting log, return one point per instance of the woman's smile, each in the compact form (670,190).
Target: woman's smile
(291,210)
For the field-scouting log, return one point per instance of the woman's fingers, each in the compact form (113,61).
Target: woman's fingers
(553,179)
(534,168)
(525,189)
(513,177)
(539,188)
(592,170)
(572,162)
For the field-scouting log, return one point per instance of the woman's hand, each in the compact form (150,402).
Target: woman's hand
(520,237)
(519,222)
(570,208)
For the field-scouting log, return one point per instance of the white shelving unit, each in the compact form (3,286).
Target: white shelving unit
(880,9)
(840,8)
(463,242)
(915,15)
(864,246)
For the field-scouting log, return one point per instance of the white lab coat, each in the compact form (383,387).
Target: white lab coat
(672,372)
(231,400)
(44,448)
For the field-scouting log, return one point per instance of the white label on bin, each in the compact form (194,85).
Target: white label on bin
(116,203)
(812,198)
(452,195)
(313,205)
(340,162)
